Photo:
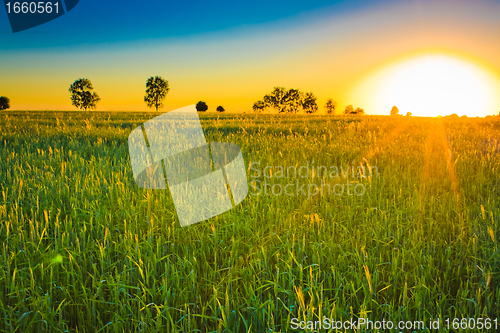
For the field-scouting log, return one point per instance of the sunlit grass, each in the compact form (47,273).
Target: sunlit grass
(84,249)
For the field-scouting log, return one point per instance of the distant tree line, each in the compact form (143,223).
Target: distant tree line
(284,100)
(293,100)
(281,99)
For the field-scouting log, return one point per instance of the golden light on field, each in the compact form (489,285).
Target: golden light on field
(430,86)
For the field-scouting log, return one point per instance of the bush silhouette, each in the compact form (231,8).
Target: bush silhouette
(4,103)
(201,106)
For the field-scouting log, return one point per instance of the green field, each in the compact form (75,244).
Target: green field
(85,250)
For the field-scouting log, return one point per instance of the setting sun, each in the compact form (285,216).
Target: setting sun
(431,86)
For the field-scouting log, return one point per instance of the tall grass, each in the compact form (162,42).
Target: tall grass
(85,250)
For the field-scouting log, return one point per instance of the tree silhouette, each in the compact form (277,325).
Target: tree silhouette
(277,99)
(220,108)
(156,91)
(408,114)
(359,111)
(309,104)
(330,106)
(394,111)
(81,95)
(4,103)
(291,100)
(349,109)
(259,106)
(201,106)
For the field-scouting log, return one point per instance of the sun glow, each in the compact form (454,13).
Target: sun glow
(430,86)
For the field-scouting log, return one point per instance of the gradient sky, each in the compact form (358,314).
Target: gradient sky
(231,53)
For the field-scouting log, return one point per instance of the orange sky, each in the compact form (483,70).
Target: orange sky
(330,56)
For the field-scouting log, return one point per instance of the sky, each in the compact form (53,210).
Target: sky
(232,53)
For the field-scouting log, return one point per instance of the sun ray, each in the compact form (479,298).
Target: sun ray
(387,140)
(437,145)
(448,155)
(365,157)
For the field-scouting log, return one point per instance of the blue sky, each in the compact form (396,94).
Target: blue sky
(97,22)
